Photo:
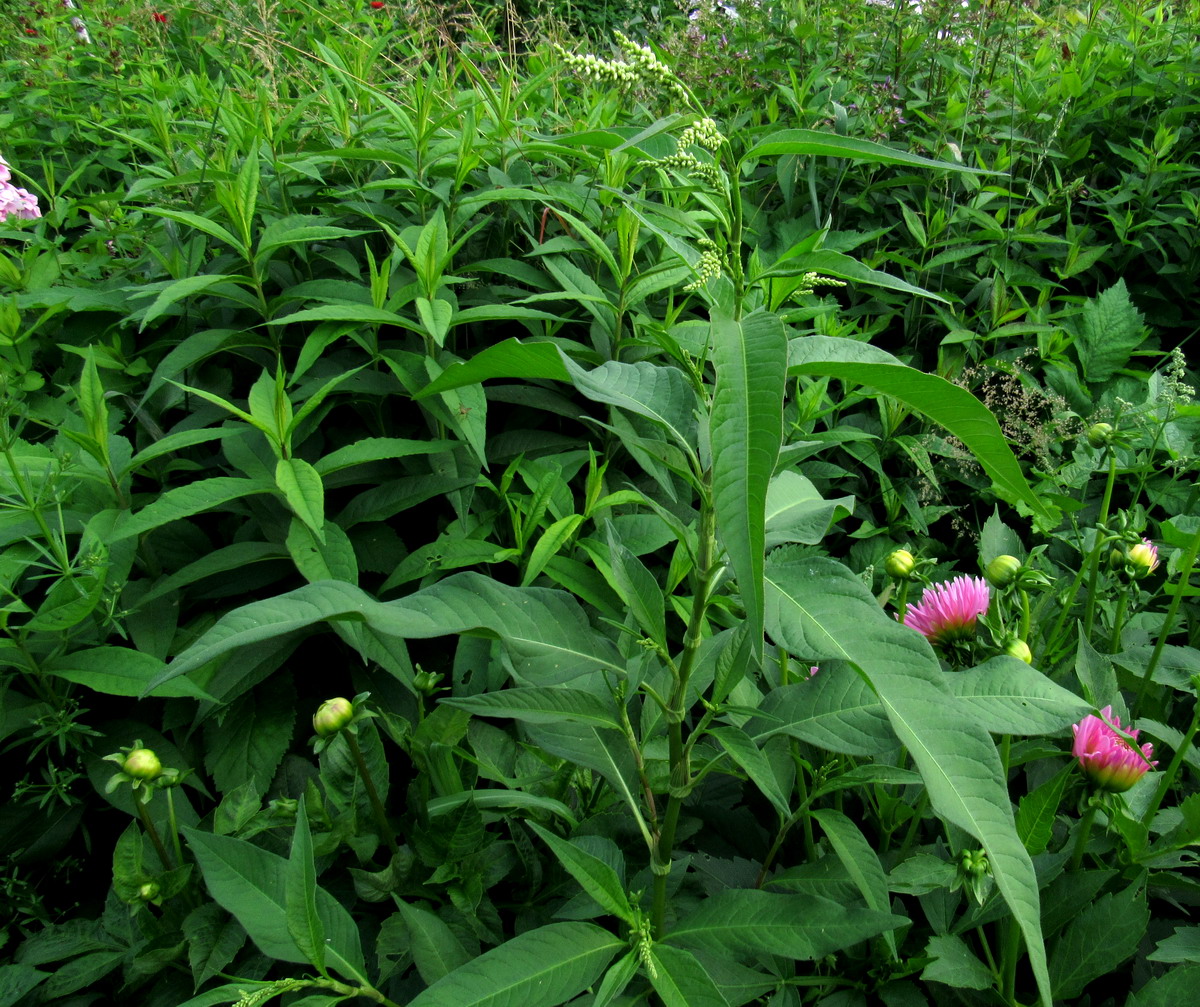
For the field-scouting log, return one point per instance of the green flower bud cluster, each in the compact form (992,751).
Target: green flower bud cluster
(810,281)
(640,68)
(690,164)
(900,564)
(651,69)
(600,71)
(702,134)
(1100,434)
(1003,570)
(708,268)
(142,769)
(332,716)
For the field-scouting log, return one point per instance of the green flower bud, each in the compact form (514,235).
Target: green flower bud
(332,716)
(1100,434)
(974,862)
(1002,571)
(142,764)
(148,892)
(1020,650)
(1143,558)
(900,564)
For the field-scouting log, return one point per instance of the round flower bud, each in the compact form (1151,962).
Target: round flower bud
(148,892)
(1002,571)
(142,764)
(332,716)
(1020,650)
(1100,434)
(1143,558)
(900,564)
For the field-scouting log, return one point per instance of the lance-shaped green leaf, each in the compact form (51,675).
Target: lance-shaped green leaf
(300,894)
(796,512)
(301,487)
(680,980)
(184,501)
(746,428)
(805,927)
(835,710)
(815,143)
(545,631)
(436,951)
(845,267)
(860,860)
(539,968)
(251,883)
(818,607)
(535,705)
(595,876)
(746,754)
(953,407)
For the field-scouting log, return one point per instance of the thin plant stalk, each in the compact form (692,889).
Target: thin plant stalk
(152,832)
(1094,562)
(1172,770)
(1185,573)
(174,823)
(372,794)
(1085,832)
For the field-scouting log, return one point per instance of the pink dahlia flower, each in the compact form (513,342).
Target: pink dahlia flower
(947,612)
(1111,761)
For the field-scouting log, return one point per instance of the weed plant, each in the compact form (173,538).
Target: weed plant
(599,505)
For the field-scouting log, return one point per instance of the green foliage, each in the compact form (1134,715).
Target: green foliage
(563,411)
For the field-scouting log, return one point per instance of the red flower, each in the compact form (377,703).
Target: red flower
(160,18)
(30,31)
(377,4)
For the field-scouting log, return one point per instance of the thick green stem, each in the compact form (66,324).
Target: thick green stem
(174,824)
(1097,546)
(1010,955)
(1185,573)
(1026,617)
(902,600)
(677,752)
(385,830)
(1114,643)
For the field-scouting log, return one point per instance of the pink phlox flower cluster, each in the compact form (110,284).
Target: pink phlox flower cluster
(15,202)
(947,612)
(1110,760)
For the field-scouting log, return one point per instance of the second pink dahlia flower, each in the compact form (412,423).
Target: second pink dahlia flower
(947,612)
(1111,761)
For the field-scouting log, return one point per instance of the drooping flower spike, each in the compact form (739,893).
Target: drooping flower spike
(947,612)
(1108,759)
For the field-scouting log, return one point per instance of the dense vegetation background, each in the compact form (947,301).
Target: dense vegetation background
(592,398)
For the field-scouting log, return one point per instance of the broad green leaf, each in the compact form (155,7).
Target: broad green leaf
(1007,696)
(508,359)
(861,862)
(541,706)
(175,442)
(247,746)
(814,143)
(539,968)
(835,710)
(301,487)
(796,512)
(1110,329)
(333,559)
(616,979)
(214,937)
(487,799)
(436,951)
(184,501)
(638,589)
(739,921)
(1171,990)
(680,980)
(1182,946)
(237,556)
(746,754)
(209,227)
(1098,940)
(362,313)
(955,964)
(746,429)
(816,606)
(546,631)
(300,894)
(596,877)
(945,403)
(119,671)
(1097,677)
(251,884)
(16,981)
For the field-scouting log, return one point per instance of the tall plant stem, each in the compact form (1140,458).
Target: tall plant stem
(372,794)
(174,825)
(1185,573)
(1114,642)
(1168,776)
(152,831)
(1094,565)
(1010,955)
(677,754)
(1085,832)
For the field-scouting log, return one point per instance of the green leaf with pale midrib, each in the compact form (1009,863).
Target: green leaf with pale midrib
(184,501)
(539,968)
(818,607)
(811,142)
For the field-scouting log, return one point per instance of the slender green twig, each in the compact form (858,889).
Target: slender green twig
(1085,832)
(1169,774)
(1098,544)
(1185,573)
(385,830)
(152,832)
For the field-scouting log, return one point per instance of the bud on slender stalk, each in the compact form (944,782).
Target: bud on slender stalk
(1100,434)
(1002,571)
(900,564)
(332,716)
(142,764)
(1020,650)
(1143,557)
